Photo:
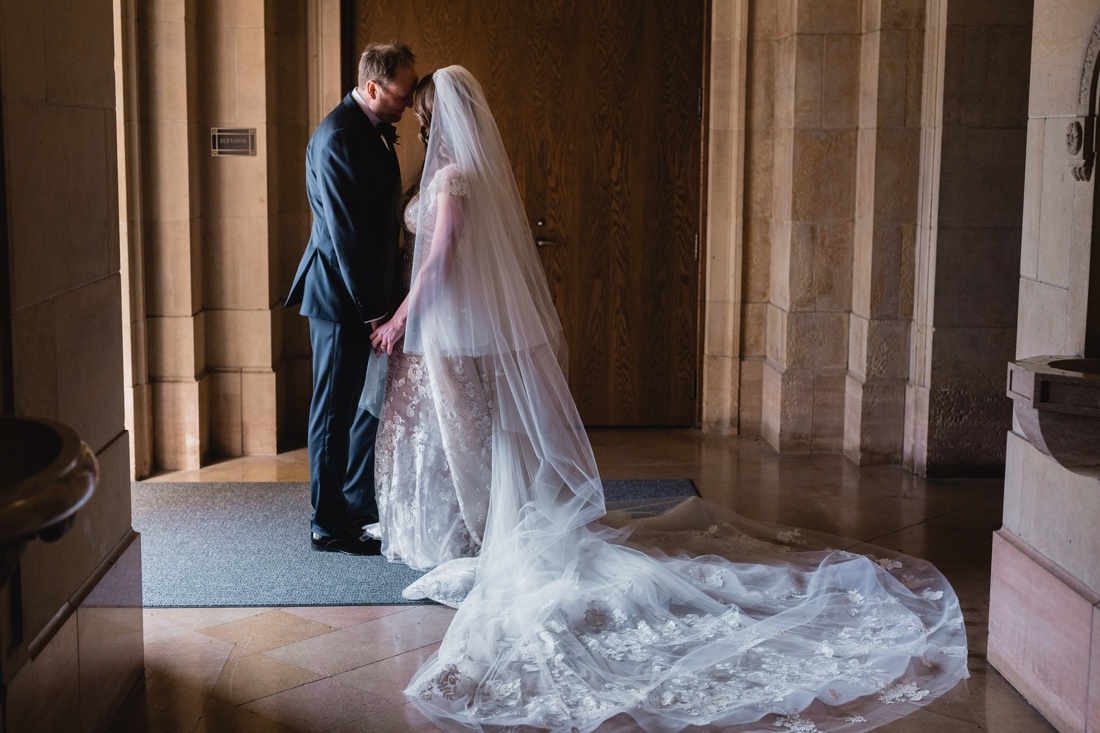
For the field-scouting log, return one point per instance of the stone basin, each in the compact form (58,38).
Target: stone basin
(1056,400)
(47,473)
(1081,366)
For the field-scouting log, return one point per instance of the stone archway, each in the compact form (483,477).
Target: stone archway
(1081,149)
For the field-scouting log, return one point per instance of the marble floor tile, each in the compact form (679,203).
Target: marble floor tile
(341,617)
(193,650)
(167,702)
(926,721)
(290,466)
(250,676)
(388,678)
(333,653)
(318,706)
(268,631)
(400,719)
(343,669)
(239,720)
(411,629)
(204,618)
(155,628)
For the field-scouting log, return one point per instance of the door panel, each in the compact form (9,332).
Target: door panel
(598,106)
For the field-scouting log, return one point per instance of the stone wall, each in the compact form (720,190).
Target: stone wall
(79,598)
(1044,625)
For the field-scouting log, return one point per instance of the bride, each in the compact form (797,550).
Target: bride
(570,618)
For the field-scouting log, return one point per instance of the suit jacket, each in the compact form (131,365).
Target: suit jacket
(352,182)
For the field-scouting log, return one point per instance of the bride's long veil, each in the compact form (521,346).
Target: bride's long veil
(570,622)
(493,303)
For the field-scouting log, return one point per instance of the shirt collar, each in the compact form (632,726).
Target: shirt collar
(363,106)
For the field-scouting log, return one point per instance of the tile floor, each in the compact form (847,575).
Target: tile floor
(342,669)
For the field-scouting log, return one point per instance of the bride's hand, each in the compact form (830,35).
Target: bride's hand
(386,336)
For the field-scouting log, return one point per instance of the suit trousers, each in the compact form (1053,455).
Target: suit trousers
(341,436)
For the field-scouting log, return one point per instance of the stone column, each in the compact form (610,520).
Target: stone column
(813,205)
(234,90)
(135,343)
(885,230)
(973,148)
(759,152)
(172,142)
(323,85)
(725,216)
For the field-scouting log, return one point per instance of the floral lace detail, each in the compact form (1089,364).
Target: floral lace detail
(902,692)
(459,186)
(912,582)
(447,584)
(789,536)
(796,724)
(446,684)
(432,460)
(835,645)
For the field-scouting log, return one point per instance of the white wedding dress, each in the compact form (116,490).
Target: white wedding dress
(570,618)
(433,450)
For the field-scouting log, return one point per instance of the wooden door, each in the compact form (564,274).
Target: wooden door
(599,103)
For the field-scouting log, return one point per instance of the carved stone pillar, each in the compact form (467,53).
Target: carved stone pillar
(725,221)
(172,231)
(973,149)
(813,206)
(885,230)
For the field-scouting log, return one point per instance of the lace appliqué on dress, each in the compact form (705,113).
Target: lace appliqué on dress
(433,450)
(459,186)
(832,625)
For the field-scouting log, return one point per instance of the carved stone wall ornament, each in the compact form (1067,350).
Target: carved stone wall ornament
(1080,147)
(1088,71)
(1074,135)
(1081,134)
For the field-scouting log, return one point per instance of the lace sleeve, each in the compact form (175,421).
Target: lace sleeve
(452,181)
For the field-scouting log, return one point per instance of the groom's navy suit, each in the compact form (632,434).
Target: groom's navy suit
(344,282)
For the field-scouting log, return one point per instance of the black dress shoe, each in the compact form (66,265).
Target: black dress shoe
(346,545)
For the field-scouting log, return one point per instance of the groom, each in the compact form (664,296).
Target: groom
(343,285)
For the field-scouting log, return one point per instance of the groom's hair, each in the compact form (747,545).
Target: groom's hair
(380,61)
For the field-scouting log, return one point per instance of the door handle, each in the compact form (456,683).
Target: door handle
(540,241)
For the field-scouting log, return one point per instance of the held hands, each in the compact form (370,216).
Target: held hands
(386,336)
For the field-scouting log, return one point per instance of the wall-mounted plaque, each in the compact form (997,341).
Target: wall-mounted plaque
(232,140)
